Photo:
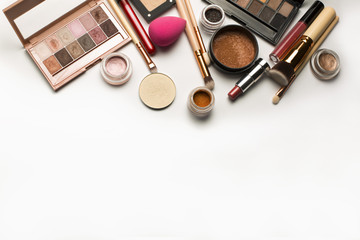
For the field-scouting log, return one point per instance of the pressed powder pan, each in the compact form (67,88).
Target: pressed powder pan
(233,49)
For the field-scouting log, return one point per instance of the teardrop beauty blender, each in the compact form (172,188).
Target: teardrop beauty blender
(164,31)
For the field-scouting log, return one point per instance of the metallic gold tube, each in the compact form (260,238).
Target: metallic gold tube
(298,53)
(202,65)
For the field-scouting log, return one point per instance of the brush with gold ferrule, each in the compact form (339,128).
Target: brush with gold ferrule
(285,70)
(151,65)
(197,32)
(190,32)
(279,95)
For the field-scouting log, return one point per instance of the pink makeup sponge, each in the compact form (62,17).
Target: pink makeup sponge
(164,31)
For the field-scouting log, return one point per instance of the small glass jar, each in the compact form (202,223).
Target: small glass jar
(201,101)
(325,64)
(212,18)
(116,69)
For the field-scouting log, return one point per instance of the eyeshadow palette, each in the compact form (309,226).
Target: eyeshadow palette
(69,47)
(151,9)
(267,18)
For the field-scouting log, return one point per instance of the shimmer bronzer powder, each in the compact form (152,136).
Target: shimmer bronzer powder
(233,49)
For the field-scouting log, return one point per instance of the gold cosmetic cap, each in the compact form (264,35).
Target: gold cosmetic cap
(321,23)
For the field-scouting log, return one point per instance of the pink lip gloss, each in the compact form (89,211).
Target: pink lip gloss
(296,32)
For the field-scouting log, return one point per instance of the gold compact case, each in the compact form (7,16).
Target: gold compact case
(66,46)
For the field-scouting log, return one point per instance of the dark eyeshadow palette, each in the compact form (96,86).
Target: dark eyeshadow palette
(267,18)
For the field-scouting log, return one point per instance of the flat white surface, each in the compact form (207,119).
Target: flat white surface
(92,162)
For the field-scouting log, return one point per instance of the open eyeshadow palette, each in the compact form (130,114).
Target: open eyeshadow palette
(68,47)
(267,18)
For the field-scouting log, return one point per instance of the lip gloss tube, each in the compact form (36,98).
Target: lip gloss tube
(297,31)
(135,22)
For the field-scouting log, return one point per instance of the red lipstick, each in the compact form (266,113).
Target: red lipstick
(252,77)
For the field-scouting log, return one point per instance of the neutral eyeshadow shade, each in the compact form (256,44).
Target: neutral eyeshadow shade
(99,15)
(278,21)
(42,50)
(65,36)
(267,14)
(76,28)
(152,4)
(234,49)
(52,64)
(264,1)
(63,57)
(116,66)
(54,43)
(88,22)
(274,4)
(109,28)
(86,42)
(243,3)
(75,50)
(97,35)
(286,9)
(328,62)
(255,7)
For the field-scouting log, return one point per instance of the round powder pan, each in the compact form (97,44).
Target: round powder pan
(233,49)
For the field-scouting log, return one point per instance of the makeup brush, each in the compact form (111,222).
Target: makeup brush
(137,26)
(151,65)
(209,82)
(197,32)
(284,70)
(279,95)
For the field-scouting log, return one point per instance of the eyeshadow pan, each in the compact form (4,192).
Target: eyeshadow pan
(243,3)
(267,14)
(42,50)
(54,43)
(278,21)
(286,9)
(65,36)
(76,28)
(274,4)
(109,28)
(86,42)
(52,64)
(97,35)
(75,50)
(88,22)
(63,57)
(99,15)
(152,4)
(255,7)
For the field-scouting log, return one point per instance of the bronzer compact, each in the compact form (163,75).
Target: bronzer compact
(69,45)
(267,18)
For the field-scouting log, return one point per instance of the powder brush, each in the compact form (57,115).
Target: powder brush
(284,70)
(279,95)
(190,32)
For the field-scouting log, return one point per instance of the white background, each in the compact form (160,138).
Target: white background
(92,162)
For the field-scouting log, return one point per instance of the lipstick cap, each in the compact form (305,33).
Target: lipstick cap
(312,13)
